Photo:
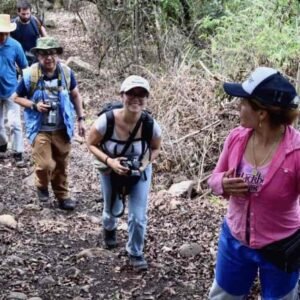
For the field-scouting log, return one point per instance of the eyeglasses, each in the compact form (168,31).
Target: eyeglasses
(46,53)
(137,94)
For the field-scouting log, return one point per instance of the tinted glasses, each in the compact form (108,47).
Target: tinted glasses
(47,52)
(137,93)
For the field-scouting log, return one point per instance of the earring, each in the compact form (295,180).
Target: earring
(259,124)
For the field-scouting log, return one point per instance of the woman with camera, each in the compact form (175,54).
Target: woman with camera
(126,156)
(258,172)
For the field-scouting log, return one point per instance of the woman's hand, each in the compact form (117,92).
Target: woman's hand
(117,167)
(234,186)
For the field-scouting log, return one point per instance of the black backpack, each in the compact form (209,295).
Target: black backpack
(121,185)
(147,122)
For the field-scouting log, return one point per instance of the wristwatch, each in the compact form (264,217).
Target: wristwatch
(33,107)
(81,118)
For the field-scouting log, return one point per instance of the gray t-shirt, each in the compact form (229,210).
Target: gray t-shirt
(52,97)
(113,148)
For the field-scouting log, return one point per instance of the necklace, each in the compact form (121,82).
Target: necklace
(262,162)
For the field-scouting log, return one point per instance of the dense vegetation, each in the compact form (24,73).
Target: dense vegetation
(229,35)
(187,48)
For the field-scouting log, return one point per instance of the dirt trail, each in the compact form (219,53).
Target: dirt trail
(57,255)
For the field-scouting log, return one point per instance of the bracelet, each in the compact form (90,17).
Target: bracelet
(106,159)
(81,119)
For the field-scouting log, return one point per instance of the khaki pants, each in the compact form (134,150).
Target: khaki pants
(50,152)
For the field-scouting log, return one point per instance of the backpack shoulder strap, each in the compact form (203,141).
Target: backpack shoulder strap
(34,77)
(147,127)
(35,25)
(66,73)
(110,124)
(38,21)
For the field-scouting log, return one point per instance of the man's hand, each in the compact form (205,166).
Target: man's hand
(81,128)
(234,186)
(42,107)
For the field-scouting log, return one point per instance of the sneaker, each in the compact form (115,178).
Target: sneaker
(3,148)
(43,194)
(66,204)
(138,263)
(18,157)
(110,238)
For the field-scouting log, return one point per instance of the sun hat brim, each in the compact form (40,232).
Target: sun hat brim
(10,28)
(235,90)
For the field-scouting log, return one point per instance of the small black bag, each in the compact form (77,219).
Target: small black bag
(121,186)
(285,254)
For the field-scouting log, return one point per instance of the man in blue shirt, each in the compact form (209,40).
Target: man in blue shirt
(11,54)
(49,93)
(29,29)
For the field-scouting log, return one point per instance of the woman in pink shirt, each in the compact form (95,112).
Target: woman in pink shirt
(258,172)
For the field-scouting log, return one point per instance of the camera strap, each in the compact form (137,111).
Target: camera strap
(120,184)
(132,136)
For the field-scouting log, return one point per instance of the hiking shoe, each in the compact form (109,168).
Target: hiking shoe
(67,204)
(3,148)
(110,238)
(43,194)
(138,263)
(18,157)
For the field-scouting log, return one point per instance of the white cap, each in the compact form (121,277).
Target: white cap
(134,81)
(256,77)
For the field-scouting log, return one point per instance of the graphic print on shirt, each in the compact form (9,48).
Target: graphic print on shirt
(254,178)
(52,120)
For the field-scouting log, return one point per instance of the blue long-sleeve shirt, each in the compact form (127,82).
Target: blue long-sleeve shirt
(11,54)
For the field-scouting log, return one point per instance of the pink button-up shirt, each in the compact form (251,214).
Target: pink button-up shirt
(274,209)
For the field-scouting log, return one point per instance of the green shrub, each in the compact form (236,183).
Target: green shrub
(8,7)
(256,33)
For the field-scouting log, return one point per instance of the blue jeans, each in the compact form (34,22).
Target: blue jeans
(237,267)
(137,210)
(12,113)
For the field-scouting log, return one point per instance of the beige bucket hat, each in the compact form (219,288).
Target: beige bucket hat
(5,24)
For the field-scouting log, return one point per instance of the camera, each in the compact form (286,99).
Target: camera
(52,113)
(133,164)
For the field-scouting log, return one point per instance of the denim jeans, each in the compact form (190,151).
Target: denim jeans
(50,152)
(137,210)
(11,110)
